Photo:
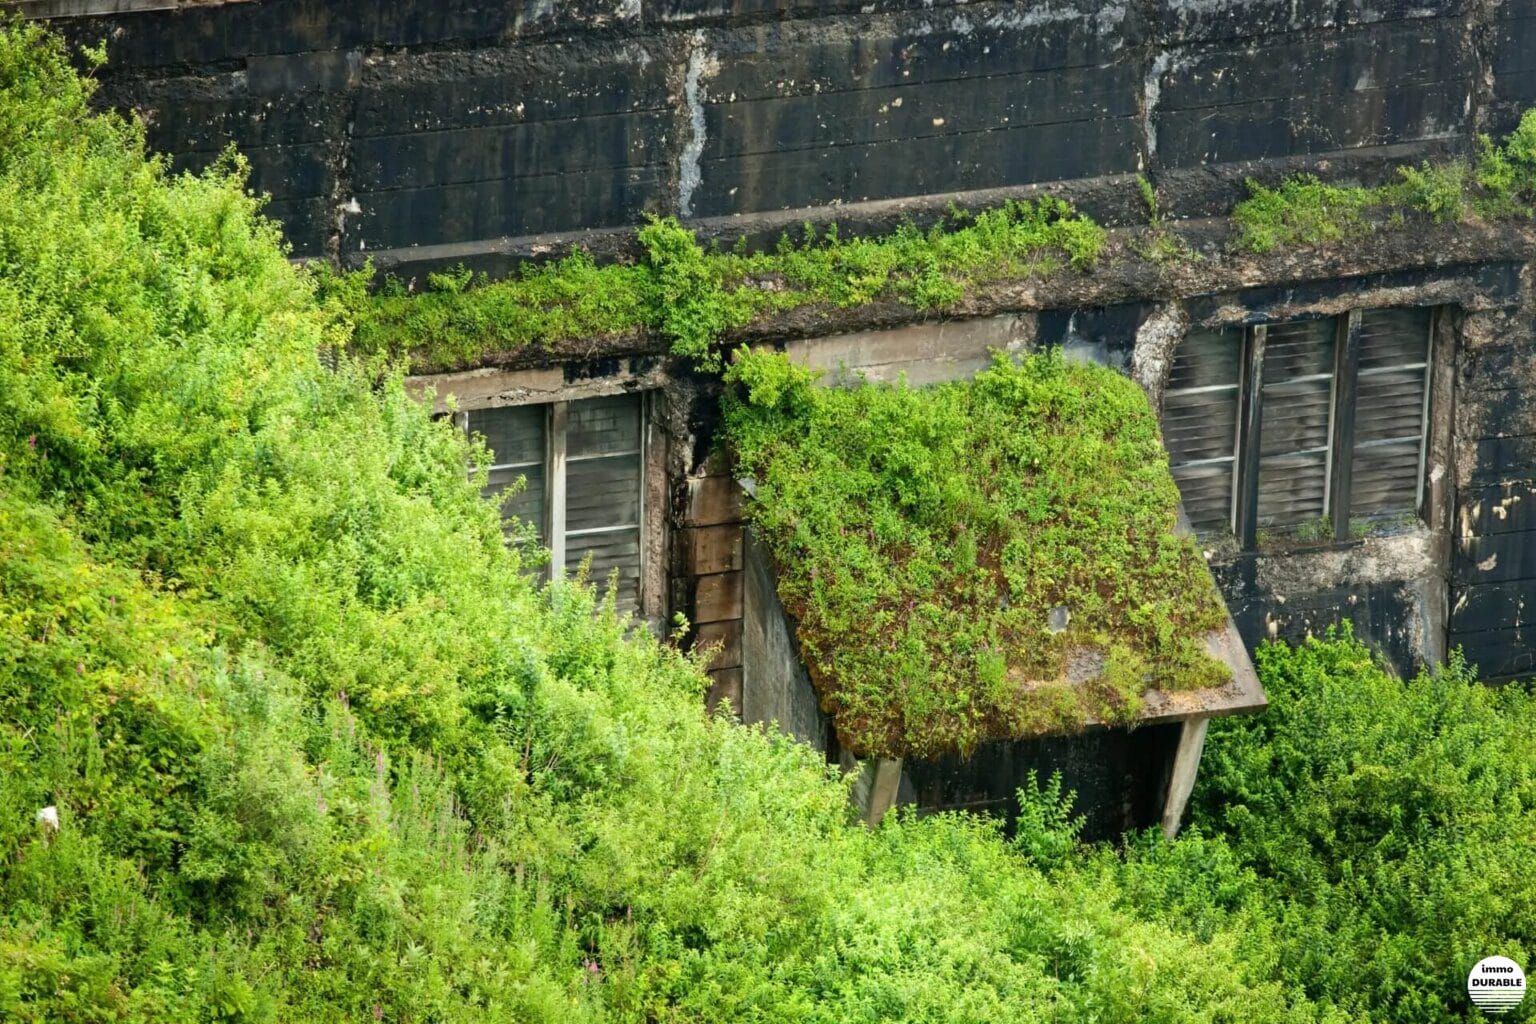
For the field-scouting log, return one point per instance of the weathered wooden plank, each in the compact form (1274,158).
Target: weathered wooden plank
(717,597)
(711,501)
(491,88)
(908,110)
(724,685)
(465,155)
(287,172)
(805,58)
(1352,61)
(919,166)
(492,209)
(1508,507)
(1499,459)
(1499,654)
(712,549)
(1496,367)
(1495,606)
(1303,123)
(725,639)
(1514,42)
(1502,412)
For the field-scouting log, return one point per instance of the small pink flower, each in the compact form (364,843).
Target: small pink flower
(32,441)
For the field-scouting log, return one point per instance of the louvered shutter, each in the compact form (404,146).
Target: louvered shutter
(603,487)
(1200,407)
(515,436)
(1390,411)
(1296,422)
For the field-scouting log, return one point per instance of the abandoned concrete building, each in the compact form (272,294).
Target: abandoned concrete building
(1352,427)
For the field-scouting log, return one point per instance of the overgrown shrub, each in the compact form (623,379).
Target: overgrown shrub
(1506,173)
(1369,838)
(1304,211)
(320,752)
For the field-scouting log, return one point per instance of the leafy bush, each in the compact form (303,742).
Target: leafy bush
(1369,838)
(1300,211)
(1391,824)
(923,538)
(1507,173)
(1305,211)
(320,752)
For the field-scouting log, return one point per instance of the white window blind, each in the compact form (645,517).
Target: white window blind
(1391,412)
(1200,424)
(1297,422)
(1318,423)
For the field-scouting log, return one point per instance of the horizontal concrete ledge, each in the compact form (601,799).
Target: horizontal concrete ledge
(1454,255)
(1243,695)
(1113,200)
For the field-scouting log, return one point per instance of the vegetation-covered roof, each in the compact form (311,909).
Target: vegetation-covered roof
(974,560)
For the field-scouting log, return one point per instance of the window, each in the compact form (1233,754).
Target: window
(584,463)
(1313,427)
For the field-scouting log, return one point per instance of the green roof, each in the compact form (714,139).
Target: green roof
(977,560)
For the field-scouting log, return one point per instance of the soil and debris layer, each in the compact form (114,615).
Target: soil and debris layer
(975,560)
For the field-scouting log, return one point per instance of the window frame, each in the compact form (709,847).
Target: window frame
(1341,449)
(556,465)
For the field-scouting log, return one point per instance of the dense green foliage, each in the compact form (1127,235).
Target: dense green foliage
(694,297)
(923,537)
(1305,211)
(1370,839)
(320,753)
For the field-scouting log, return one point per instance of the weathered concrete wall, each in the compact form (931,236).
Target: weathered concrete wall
(430,131)
(775,686)
(1120,777)
(1493,561)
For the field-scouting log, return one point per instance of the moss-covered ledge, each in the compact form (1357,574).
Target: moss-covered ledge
(1023,255)
(982,560)
(1123,272)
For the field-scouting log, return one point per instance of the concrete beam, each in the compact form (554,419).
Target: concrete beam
(1186,766)
(875,792)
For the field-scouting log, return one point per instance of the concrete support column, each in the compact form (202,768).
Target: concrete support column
(875,792)
(1181,781)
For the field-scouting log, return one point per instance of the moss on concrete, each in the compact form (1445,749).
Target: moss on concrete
(694,297)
